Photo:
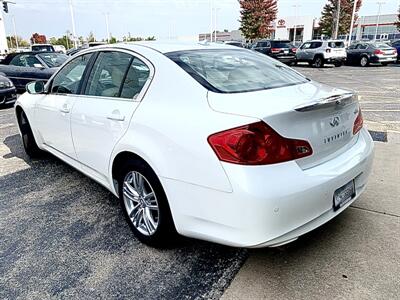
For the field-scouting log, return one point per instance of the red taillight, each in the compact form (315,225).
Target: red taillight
(358,123)
(294,50)
(275,50)
(257,144)
(378,51)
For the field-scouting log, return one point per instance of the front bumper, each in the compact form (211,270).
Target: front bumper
(8,96)
(269,205)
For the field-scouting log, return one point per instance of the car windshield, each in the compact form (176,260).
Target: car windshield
(281,44)
(53,60)
(336,44)
(235,71)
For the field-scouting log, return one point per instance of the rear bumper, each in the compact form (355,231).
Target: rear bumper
(269,205)
(335,59)
(383,59)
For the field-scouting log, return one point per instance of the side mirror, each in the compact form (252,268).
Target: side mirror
(38,66)
(35,87)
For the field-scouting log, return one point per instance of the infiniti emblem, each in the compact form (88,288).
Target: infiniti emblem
(335,122)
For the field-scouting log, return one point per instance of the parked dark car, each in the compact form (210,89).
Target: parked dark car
(364,53)
(396,45)
(235,43)
(25,67)
(8,92)
(282,50)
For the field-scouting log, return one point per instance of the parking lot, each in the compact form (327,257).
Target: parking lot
(64,236)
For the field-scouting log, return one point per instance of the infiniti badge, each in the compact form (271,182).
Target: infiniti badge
(335,121)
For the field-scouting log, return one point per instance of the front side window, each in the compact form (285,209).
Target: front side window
(108,74)
(25,60)
(315,45)
(68,80)
(235,71)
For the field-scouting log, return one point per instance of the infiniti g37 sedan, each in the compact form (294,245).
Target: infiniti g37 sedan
(207,141)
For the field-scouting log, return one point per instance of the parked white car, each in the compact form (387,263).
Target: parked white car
(318,52)
(206,140)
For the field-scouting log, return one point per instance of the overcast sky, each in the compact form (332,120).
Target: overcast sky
(146,17)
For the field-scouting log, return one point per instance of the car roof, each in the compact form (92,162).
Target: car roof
(169,46)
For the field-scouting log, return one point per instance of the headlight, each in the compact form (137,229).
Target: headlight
(6,84)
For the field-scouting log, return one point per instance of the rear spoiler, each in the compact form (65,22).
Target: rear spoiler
(336,100)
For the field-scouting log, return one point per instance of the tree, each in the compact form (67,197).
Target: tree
(91,38)
(328,19)
(256,17)
(398,20)
(64,41)
(113,40)
(38,39)
(151,38)
(12,44)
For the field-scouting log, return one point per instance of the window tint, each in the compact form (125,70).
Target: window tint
(315,45)
(235,71)
(108,74)
(306,46)
(282,44)
(362,46)
(67,81)
(53,60)
(264,44)
(336,44)
(25,60)
(136,78)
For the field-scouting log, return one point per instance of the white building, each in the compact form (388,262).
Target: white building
(304,25)
(3,38)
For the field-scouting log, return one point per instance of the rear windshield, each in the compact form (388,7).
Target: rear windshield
(382,46)
(336,44)
(43,48)
(281,44)
(235,71)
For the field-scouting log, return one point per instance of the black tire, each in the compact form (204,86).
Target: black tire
(28,140)
(364,61)
(318,62)
(165,234)
(338,64)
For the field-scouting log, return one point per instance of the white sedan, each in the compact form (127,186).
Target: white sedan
(208,141)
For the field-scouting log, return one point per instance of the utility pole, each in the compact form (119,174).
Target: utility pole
(352,20)
(15,33)
(107,27)
(296,13)
(378,18)
(67,39)
(71,9)
(337,20)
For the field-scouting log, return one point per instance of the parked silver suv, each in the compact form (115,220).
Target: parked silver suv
(318,52)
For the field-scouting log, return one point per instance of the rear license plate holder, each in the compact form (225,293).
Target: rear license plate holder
(343,195)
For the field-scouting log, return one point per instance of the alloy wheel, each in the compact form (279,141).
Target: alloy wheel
(364,61)
(141,203)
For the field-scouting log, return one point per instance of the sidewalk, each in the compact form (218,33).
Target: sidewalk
(355,256)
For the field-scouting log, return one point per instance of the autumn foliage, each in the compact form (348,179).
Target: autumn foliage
(257,17)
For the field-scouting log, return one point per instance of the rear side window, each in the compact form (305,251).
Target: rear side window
(282,44)
(136,78)
(336,44)
(315,45)
(108,74)
(235,71)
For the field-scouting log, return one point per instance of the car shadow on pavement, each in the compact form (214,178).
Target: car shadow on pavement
(65,236)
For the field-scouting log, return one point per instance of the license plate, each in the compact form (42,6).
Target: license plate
(286,51)
(343,195)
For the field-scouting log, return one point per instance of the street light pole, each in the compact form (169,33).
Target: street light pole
(15,33)
(296,13)
(107,27)
(337,20)
(378,18)
(352,20)
(71,9)
(211,20)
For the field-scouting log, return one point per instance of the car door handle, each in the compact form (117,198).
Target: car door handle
(116,117)
(65,109)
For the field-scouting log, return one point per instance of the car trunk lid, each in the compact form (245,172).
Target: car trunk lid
(319,114)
